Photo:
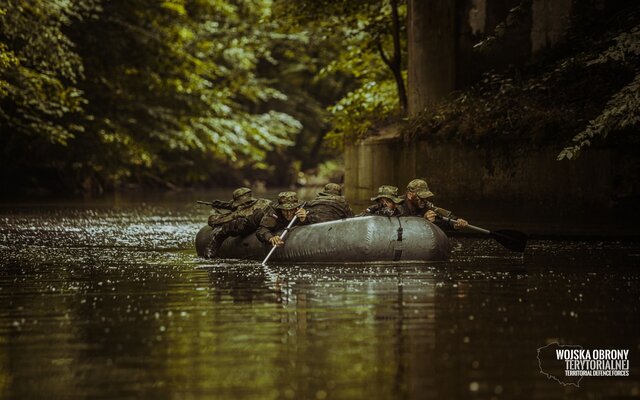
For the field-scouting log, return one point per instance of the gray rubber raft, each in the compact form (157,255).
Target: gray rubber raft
(360,239)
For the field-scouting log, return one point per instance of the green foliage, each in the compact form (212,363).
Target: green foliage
(194,81)
(622,111)
(39,71)
(358,31)
(542,109)
(496,110)
(131,91)
(545,103)
(8,61)
(360,110)
(95,94)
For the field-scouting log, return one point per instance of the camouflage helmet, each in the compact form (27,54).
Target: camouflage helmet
(420,187)
(387,192)
(288,201)
(332,189)
(241,196)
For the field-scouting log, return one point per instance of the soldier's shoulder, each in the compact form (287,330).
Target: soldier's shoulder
(262,203)
(270,208)
(270,217)
(327,199)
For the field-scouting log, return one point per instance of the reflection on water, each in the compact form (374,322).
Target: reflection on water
(111,302)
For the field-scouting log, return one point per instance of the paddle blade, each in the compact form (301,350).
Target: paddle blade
(512,240)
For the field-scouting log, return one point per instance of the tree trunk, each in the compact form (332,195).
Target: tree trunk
(397,57)
(395,62)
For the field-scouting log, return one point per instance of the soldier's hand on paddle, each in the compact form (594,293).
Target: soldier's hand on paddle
(460,223)
(430,216)
(276,241)
(301,213)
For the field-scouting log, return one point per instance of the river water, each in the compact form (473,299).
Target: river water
(107,300)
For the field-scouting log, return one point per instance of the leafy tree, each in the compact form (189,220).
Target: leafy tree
(622,111)
(39,73)
(96,93)
(368,39)
(179,78)
(107,92)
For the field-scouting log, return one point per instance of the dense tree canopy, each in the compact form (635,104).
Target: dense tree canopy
(369,38)
(100,93)
(97,94)
(179,79)
(39,73)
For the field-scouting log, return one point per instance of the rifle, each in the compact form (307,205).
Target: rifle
(221,212)
(216,204)
(440,211)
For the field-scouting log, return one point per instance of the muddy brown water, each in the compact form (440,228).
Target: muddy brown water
(107,300)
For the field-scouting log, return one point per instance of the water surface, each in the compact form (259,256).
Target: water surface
(108,300)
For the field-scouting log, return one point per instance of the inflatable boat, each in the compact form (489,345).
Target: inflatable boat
(359,239)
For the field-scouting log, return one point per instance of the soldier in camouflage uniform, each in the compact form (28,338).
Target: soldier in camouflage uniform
(328,205)
(417,203)
(243,220)
(388,203)
(277,217)
(412,204)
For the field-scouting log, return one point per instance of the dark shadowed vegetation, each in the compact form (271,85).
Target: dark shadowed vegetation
(102,95)
(570,97)
(97,95)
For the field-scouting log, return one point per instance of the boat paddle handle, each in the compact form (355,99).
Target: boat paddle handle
(293,221)
(468,226)
(512,240)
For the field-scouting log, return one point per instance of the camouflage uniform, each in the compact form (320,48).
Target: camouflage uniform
(273,221)
(387,192)
(243,220)
(328,205)
(422,204)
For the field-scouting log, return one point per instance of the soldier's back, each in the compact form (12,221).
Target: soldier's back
(328,208)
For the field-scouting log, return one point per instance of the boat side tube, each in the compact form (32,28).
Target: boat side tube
(360,239)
